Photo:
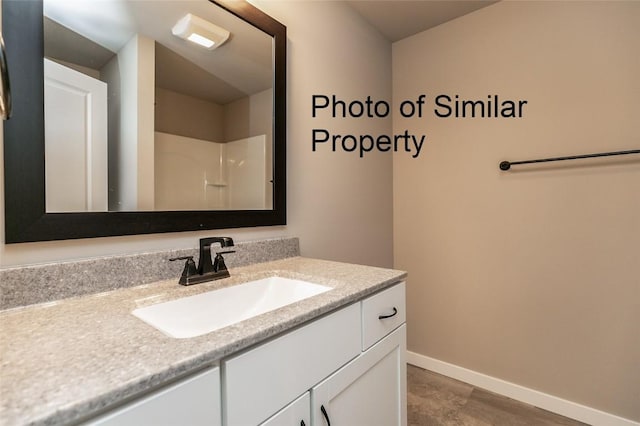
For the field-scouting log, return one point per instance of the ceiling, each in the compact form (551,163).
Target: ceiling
(182,67)
(78,32)
(398,19)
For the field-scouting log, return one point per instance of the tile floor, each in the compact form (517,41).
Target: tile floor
(436,400)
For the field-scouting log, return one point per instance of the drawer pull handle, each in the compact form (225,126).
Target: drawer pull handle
(326,416)
(302,423)
(395,311)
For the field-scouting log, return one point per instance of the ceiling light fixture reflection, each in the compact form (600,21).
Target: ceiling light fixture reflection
(199,31)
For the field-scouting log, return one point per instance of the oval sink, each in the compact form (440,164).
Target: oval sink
(203,313)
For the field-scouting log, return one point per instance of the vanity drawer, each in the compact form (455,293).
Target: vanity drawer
(261,381)
(382,313)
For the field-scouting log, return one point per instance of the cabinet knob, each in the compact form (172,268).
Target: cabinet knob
(302,423)
(395,311)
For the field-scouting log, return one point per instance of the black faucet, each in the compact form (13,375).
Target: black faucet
(204,264)
(206,270)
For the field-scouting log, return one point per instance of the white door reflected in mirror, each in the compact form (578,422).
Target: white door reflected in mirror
(76,140)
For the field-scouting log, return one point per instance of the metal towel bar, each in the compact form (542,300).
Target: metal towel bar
(506,165)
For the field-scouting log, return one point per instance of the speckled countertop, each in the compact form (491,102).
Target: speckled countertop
(61,362)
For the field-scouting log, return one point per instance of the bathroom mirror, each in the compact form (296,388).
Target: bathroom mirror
(167,185)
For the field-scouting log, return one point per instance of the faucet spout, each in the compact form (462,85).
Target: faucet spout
(205,264)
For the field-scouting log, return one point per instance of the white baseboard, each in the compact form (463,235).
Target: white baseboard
(520,393)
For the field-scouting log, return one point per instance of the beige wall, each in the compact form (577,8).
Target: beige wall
(249,116)
(339,206)
(184,115)
(531,276)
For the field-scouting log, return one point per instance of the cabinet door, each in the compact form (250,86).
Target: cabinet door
(369,391)
(259,382)
(298,413)
(194,401)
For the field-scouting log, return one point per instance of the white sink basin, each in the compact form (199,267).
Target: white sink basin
(203,313)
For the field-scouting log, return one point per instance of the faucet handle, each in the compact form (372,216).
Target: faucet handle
(218,262)
(189,270)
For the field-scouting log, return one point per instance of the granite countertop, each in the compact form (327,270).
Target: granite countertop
(60,362)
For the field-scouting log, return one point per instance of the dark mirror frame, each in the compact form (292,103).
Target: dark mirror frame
(24,174)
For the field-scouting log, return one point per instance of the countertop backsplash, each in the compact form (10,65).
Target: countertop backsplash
(45,283)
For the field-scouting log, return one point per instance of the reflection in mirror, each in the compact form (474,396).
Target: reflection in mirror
(26,216)
(137,119)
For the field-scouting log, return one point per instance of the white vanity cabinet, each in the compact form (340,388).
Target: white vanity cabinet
(347,368)
(261,381)
(351,363)
(369,391)
(194,401)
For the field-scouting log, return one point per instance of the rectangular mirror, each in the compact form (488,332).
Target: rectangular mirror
(131,128)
